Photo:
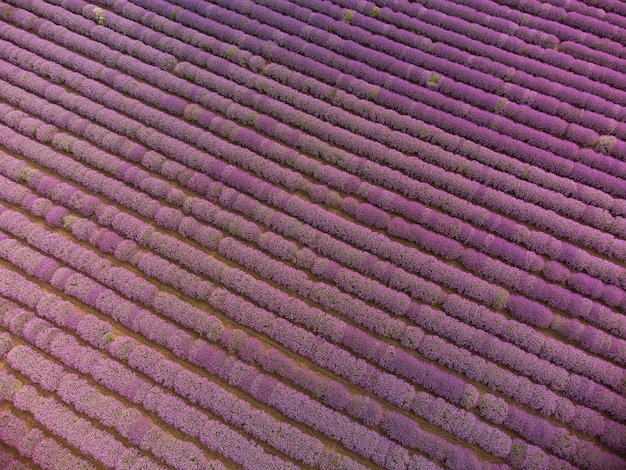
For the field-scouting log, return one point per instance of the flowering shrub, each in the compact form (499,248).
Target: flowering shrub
(294,233)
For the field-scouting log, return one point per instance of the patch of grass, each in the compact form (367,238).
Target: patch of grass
(373,93)
(500,104)
(348,15)
(107,338)
(433,79)
(509,74)
(99,16)
(375,11)
(500,299)
(230,52)
(7,13)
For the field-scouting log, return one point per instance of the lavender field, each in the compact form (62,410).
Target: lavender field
(331,234)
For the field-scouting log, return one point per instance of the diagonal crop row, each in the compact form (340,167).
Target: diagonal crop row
(13,288)
(531,152)
(543,20)
(86,292)
(589,213)
(31,442)
(241,58)
(134,426)
(491,55)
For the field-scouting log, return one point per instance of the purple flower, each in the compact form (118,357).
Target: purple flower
(56,215)
(492,408)
(138,430)
(529,311)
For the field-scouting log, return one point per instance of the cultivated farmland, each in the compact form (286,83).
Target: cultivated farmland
(312,234)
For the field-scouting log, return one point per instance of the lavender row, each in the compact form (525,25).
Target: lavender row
(323,243)
(486,38)
(538,142)
(539,370)
(612,7)
(524,114)
(232,372)
(506,274)
(353,406)
(32,443)
(241,204)
(578,23)
(465,336)
(280,398)
(60,56)
(586,54)
(287,400)
(85,289)
(555,297)
(534,342)
(371,215)
(115,377)
(125,27)
(9,461)
(133,426)
(199,389)
(292,180)
(63,18)
(138,178)
(190,260)
(476,79)
(202,263)
(79,433)
(312,86)
(179,219)
(596,13)
(328,132)
(223,276)
(288,277)
(105,137)
(373,243)
(535,151)
(477,194)
(404,439)
(519,334)
(386,62)
(122,279)
(497,378)
(6,343)
(557,31)
(103,298)
(144,323)
(90,291)
(545,62)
